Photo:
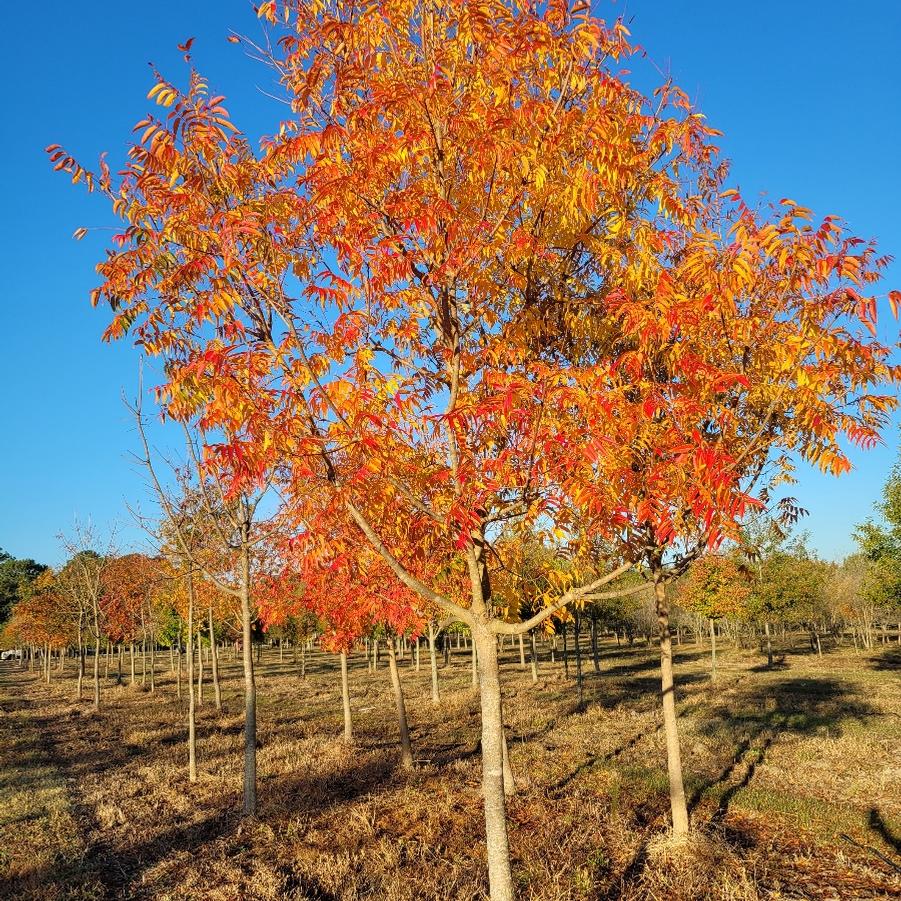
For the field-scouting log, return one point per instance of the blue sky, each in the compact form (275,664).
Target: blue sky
(807,92)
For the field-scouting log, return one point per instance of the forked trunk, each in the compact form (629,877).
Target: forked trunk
(670,725)
(345,700)
(406,752)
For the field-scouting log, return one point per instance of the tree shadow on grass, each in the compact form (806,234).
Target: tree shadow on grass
(888,659)
(762,712)
(878,824)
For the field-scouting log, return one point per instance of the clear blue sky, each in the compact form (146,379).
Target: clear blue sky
(808,93)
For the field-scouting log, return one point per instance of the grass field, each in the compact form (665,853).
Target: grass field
(794,776)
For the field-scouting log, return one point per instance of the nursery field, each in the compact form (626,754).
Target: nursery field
(794,776)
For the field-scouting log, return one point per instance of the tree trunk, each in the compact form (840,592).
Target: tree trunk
(595,655)
(712,651)
(670,725)
(345,699)
(80,686)
(189,658)
(433,664)
(303,662)
(576,633)
(565,652)
(406,752)
(475,663)
(96,654)
(199,671)
(534,645)
(132,652)
(214,664)
(522,652)
(178,670)
(500,877)
(152,666)
(250,687)
(769,644)
(509,781)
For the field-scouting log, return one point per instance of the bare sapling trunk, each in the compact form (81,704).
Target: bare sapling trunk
(80,683)
(534,643)
(199,671)
(345,700)
(250,688)
(433,664)
(96,654)
(214,664)
(579,681)
(189,658)
(178,670)
(670,725)
(406,752)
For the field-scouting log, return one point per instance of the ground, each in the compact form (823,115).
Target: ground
(794,777)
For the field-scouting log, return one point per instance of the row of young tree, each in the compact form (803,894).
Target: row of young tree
(485,324)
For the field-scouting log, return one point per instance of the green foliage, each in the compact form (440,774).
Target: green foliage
(880,543)
(15,575)
(790,585)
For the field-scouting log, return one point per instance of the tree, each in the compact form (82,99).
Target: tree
(714,587)
(14,576)
(83,577)
(880,543)
(478,286)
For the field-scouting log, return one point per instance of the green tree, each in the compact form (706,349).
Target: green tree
(14,576)
(880,542)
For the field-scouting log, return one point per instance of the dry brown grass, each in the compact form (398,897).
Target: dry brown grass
(794,777)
